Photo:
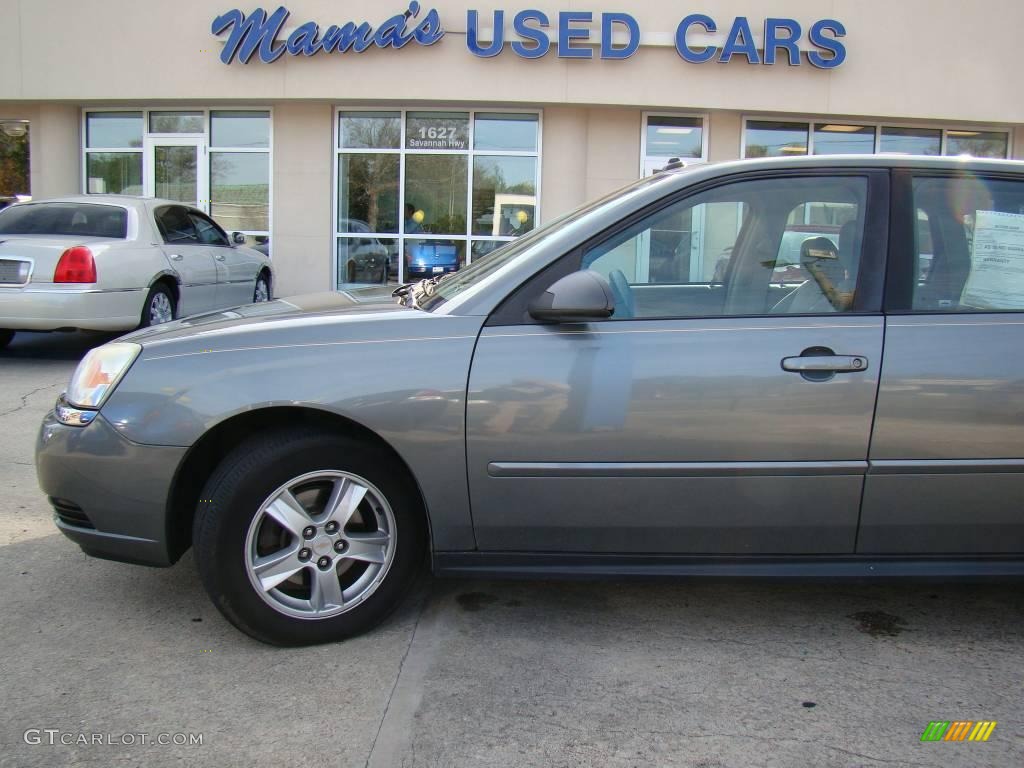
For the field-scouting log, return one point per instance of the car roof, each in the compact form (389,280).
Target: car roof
(123,201)
(883,161)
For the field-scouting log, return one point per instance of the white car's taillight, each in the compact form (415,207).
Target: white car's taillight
(76,265)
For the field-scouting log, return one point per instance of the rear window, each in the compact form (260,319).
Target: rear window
(77,219)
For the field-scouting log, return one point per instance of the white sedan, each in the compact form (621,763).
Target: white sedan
(112,263)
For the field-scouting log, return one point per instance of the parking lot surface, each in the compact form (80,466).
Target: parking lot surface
(481,673)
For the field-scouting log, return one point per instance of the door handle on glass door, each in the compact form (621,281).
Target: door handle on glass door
(825,364)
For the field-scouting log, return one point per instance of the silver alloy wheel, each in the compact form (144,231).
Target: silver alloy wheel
(320,544)
(160,310)
(262,290)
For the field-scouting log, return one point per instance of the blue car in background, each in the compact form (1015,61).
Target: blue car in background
(427,258)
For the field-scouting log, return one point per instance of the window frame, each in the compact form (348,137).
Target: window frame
(705,141)
(901,271)
(814,122)
(209,150)
(513,310)
(401,151)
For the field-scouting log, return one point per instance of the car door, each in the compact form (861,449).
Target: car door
(236,270)
(947,456)
(189,258)
(726,407)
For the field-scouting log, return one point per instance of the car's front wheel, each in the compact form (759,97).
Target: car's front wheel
(308,537)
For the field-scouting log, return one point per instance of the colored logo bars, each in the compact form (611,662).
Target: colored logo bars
(958,730)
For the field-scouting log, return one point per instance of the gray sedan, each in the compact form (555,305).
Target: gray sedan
(602,397)
(113,263)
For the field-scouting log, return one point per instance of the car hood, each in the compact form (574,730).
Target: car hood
(309,311)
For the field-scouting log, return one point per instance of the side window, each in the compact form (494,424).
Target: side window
(771,246)
(969,245)
(175,226)
(209,233)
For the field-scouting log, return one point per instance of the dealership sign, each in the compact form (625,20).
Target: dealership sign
(533,34)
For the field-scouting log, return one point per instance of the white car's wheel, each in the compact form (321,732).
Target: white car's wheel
(160,306)
(262,292)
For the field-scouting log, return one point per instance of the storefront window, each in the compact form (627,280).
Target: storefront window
(14,161)
(435,194)
(113,173)
(368,193)
(437,130)
(218,160)
(768,139)
(680,137)
(419,186)
(510,132)
(771,138)
(976,143)
(176,122)
(836,139)
(240,190)
(113,130)
(911,141)
(370,130)
(240,129)
(504,195)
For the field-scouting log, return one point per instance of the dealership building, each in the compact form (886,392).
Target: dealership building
(362,142)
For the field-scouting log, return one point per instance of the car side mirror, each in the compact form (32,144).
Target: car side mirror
(578,297)
(238,238)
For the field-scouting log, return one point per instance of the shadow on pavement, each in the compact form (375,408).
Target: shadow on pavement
(54,346)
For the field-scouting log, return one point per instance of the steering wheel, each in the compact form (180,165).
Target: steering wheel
(625,306)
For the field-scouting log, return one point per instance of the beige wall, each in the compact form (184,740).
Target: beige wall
(910,59)
(302,233)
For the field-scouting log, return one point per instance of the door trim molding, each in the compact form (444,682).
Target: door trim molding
(944,466)
(674,468)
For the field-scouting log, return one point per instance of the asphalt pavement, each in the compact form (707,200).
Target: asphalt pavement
(104,660)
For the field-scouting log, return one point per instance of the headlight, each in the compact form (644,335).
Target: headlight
(99,372)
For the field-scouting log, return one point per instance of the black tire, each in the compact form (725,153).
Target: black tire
(5,337)
(240,485)
(158,289)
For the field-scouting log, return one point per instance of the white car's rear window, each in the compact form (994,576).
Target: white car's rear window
(76,219)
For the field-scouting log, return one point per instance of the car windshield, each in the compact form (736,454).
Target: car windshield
(75,219)
(451,285)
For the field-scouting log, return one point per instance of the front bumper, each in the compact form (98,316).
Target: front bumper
(50,306)
(96,477)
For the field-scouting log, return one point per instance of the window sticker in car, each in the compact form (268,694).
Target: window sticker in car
(996,281)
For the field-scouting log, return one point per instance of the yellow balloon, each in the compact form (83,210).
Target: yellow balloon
(522,216)
(418,217)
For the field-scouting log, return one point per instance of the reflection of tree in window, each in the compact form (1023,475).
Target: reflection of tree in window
(502,206)
(14,173)
(240,190)
(370,191)
(436,185)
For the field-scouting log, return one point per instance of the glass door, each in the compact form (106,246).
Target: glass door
(177,170)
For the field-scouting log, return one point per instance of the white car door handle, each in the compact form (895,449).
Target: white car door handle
(175,257)
(825,363)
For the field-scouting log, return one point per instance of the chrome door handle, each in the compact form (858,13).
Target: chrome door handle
(825,364)
(175,257)
(219,257)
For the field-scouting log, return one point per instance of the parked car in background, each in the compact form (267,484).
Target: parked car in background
(362,258)
(557,409)
(113,263)
(430,258)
